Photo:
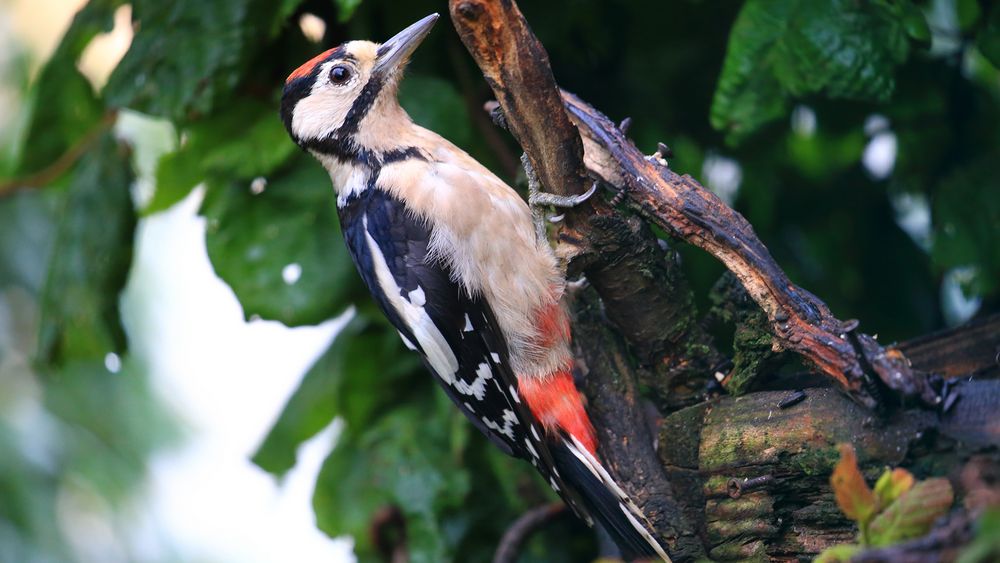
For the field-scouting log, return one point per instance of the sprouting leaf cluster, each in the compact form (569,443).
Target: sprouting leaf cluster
(899,508)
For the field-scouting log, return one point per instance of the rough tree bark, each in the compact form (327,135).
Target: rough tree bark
(732,477)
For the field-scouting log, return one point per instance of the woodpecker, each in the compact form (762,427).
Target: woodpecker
(451,257)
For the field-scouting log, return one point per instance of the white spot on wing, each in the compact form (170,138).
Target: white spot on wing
(552,482)
(417,297)
(468,406)
(513,393)
(534,433)
(531,448)
(478,387)
(468,323)
(495,356)
(509,420)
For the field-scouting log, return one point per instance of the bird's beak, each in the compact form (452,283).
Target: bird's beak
(394,53)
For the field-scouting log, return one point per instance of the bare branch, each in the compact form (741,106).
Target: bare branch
(530,522)
(65,161)
(799,320)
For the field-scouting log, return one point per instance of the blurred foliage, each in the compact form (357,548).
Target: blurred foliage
(786,49)
(900,508)
(790,98)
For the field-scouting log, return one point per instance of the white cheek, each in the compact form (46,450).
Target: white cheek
(321,113)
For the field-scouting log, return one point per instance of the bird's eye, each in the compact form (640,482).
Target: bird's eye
(339,74)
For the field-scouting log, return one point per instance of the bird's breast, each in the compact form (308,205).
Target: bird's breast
(482,230)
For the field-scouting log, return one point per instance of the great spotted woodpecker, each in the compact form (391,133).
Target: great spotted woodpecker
(449,253)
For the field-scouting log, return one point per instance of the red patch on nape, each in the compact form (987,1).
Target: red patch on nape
(308,66)
(558,406)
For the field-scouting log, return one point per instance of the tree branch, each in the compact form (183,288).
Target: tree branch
(530,522)
(799,320)
(516,67)
(65,161)
(626,441)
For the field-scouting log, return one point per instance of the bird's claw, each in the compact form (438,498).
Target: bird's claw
(564,201)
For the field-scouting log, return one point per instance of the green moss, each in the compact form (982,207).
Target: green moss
(738,551)
(816,461)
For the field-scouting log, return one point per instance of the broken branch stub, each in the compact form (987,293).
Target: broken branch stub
(517,69)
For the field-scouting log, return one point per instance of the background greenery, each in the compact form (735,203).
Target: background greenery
(772,102)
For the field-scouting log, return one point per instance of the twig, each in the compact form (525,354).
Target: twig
(65,161)
(943,543)
(516,67)
(527,524)
(388,534)
(973,348)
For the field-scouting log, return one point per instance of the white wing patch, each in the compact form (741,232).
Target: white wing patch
(509,420)
(417,297)
(468,324)
(439,354)
(495,356)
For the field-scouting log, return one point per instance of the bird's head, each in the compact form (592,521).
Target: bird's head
(347,95)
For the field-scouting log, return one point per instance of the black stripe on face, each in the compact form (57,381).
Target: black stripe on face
(363,103)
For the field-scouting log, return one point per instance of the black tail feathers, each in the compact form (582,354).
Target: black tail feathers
(606,503)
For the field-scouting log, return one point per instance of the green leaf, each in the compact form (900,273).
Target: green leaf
(281,250)
(346,8)
(435,104)
(891,484)
(188,56)
(65,106)
(915,23)
(966,217)
(404,460)
(782,49)
(968,13)
(27,232)
(985,546)
(988,38)
(244,141)
(111,422)
(913,513)
(838,553)
(90,260)
(364,373)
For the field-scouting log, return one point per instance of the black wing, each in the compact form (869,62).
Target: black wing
(456,334)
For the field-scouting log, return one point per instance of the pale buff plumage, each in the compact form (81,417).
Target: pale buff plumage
(482,228)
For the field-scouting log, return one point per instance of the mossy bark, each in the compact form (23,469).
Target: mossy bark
(791,453)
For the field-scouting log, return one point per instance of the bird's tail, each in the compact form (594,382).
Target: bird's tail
(606,501)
